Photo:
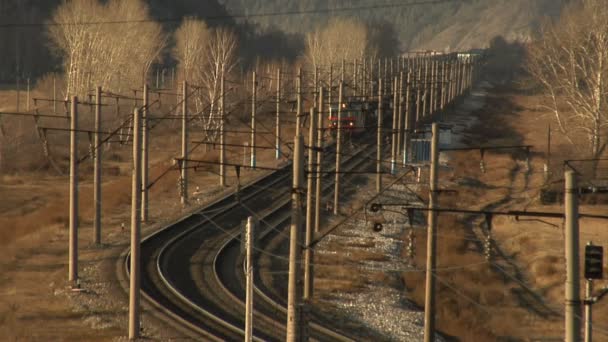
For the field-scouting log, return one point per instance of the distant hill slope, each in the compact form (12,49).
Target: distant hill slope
(459,24)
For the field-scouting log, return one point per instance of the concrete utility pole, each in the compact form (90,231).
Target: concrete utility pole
(573,303)
(54,93)
(424,84)
(364,78)
(222,131)
(418,95)
(310,209)
(394,131)
(431,260)
(249,276)
(379,140)
(331,89)
(315,86)
(408,119)
(18,92)
(293,291)
(134,283)
(432,88)
(443,84)
(299,102)
(278,116)
(452,82)
(588,309)
(319,162)
(338,150)
(254,87)
(27,98)
(184,162)
(399,114)
(145,155)
(73,248)
(97,169)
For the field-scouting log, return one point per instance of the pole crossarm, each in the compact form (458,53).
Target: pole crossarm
(225,164)
(485,148)
(233,145)
(35,99)
(516,213)
(35,115)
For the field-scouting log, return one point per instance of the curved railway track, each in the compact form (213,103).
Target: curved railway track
(192,269)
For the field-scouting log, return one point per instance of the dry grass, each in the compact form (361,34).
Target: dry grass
(482,302)
(34,304)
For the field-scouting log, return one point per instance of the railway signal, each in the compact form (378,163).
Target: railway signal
(594,262)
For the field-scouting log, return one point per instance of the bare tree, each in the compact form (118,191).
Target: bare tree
(339,39)
(221,60)
(191,40)
(570,61)
(205,56)
(96,50)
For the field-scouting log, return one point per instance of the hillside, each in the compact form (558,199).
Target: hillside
(459,24)
(454,25)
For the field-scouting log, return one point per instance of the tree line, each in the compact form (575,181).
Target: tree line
(569,62)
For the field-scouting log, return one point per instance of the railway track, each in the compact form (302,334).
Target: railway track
(192,269)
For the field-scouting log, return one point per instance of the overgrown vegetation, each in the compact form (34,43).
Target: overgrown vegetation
(570,62)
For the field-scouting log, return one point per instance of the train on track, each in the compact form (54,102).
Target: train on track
(356,116)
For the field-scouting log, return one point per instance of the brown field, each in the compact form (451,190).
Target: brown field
(519,296)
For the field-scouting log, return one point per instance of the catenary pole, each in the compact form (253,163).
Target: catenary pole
(379,140)
(254,87)
(184,162)
(73,231)
(145,154)
(319,162)
(310,212)
(293,290)
(134,281)
(431,261)
(249,280)
(573,304)
(394,130)
(278,116)
(338,150)
(222,131)
(97,169)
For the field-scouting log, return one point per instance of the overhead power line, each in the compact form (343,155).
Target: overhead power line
(241,15)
